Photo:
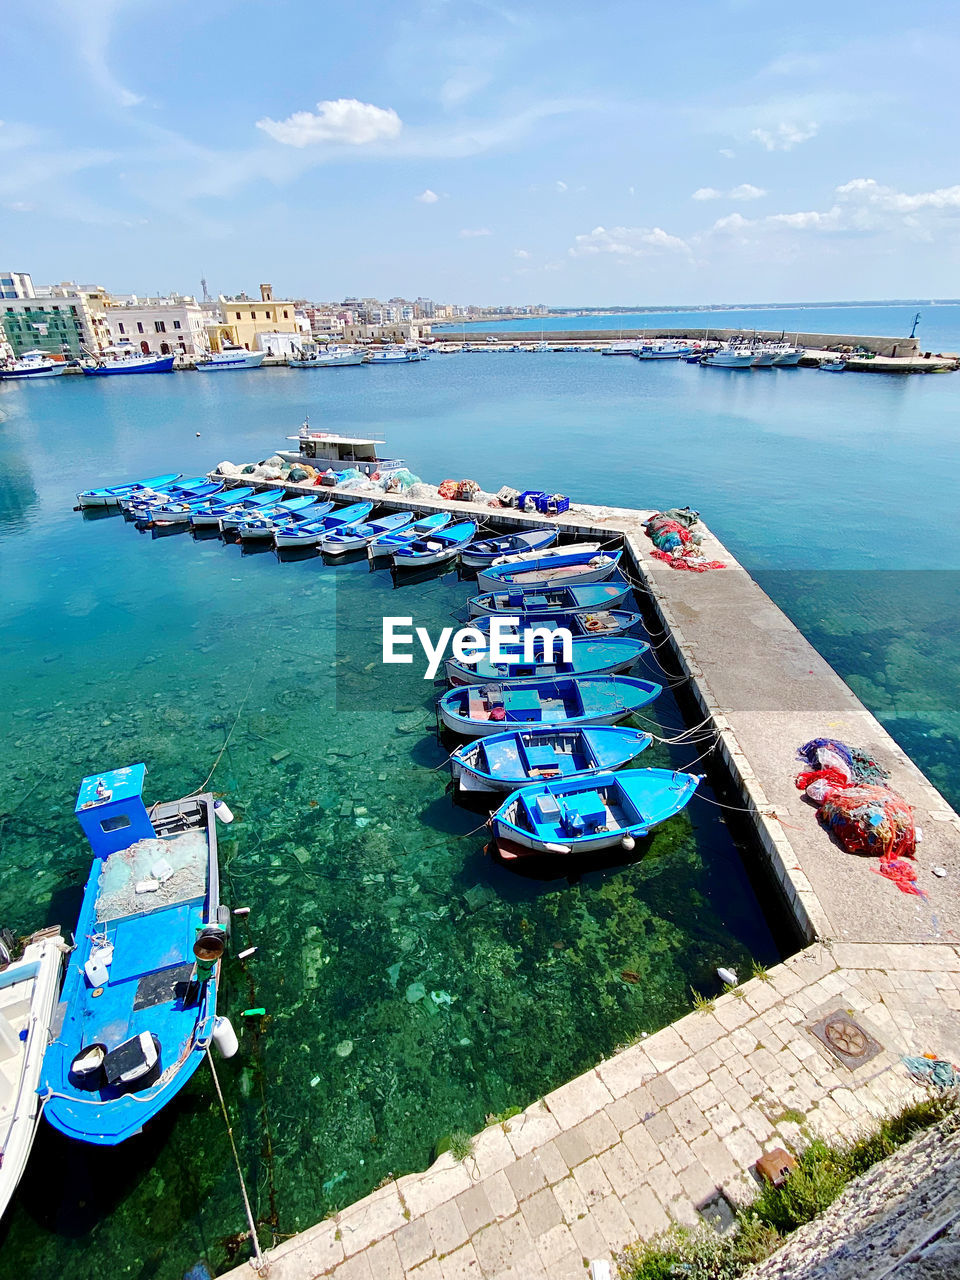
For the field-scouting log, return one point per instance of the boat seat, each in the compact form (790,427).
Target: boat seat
(503,758)
(133,1060)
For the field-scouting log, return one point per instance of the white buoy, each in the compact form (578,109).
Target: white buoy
(241,911)
(244,955)
(223,811)
(729,976)
(225,1038)
(627,842)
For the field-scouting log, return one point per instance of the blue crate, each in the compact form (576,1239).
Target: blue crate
(535,494)
(553,504)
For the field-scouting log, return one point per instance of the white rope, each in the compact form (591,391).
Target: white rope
(259,1259)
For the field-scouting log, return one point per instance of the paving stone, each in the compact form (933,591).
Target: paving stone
(686,1076)
(687,1117)
(724,1049)
(570,1198)
(370,1219)
(551,1162)
(424,1191)
(666,1049)
(590,1239)
(580,1098)
(646,1212)
(475,1208)
(682,1211)
(715,1158)
(722,1119)
(446,1227)
(699,1030)
(614,1223)
(541,1212)
(555,1245)
(622,1113)
(599,1132)
(708,1095)
(592,1181)
(626,1071)
(426,1271)
(355,1268)
(697,1183)
(462,1264)
(312,1253)
(492,1151)
(732,1013)
(623,1172)
(743,1147)
(570,1266)
(500,1194)
(641,1146)
(662,1091)
(414,1243)
(384,1259)
(526,1176)
(660,1127)
(573,1147)
(762,996)
(642,1101)
(664,1183)
(532,1128)
(676,1152)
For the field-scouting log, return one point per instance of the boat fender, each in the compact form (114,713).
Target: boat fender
(728,976)
(558,848)
(627,842)
(223,918)
(246,954)
(223,811)
(224,1037)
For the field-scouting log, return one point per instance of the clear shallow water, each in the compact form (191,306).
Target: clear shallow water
(839,493)
(939,328)
(412,987)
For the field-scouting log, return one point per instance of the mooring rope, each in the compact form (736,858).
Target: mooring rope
(259,1259)
(226,742)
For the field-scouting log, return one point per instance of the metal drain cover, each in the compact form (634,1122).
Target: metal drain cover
(845,1039)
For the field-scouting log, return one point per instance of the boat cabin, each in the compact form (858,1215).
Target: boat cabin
(329,451)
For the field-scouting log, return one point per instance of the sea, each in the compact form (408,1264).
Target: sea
(413,988)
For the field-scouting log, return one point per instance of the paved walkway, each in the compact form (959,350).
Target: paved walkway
(652,1134)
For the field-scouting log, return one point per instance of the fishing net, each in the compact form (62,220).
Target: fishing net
(675,543)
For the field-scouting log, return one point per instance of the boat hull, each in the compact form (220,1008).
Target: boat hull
(20,375)
(111,496)
(595,623)
(724,360)
(606,595)
(588,658)
(537,578)
(621,696)
(162,364)
(249,360)
(788,361)
(482,554)
(353,360)
(500,762)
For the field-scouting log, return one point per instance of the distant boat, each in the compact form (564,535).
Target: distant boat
(330,451)
(486,552)
(339,541)
(588,657)
(437,547)
(29,988)
(525,757)
(230,358)
(552,600)
(140,995)
(475,710)
(620,349)
(598,622)
(117,360)
(111,497)
(311,355)
(575,568)
(311,532)
(391,355)
(33,364)
(834,365)
(728,358)
(387,543)
(661,350)
(586,815)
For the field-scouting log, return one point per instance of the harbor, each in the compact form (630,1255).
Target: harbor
(734,706)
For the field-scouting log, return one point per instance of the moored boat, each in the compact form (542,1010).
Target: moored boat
(391,355)
(489,550)
(325,450)
(311,532)
(835,364)
(474,710)
(356,538)
(597,622)
(140,993)
(260,526)
(115,360)
(387,543)
(728,358)
(552,600)
(281,506)
(244,498)
(576,567)
(437,547)
(311,355)
(662,349)
(196,490)
(28,997)
(111,496)
(586,815)
(33,364)
(523,757)
(230,357)
(588,657)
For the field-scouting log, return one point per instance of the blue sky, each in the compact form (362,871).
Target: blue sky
(602,153)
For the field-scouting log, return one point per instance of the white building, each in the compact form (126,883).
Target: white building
(167,324)
(280,344)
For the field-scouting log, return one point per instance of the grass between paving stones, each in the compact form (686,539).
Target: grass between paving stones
(823,1171)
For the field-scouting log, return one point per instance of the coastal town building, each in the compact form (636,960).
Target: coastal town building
(16,284)
(172,324)
(245,318)
(64,319)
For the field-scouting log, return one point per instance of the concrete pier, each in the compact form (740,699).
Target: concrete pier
(653,1134)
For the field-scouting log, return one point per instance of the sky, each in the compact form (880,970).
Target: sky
(607,153)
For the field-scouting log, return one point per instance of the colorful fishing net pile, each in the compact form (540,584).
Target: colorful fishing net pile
(675,543)
(857,807)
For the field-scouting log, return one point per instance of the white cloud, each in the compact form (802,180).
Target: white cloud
(427,197)
(871,192)
(562,186)
(521,253)
(628,242)
(469,233)
(343,120)
(745,191)
(786,135)
(91,27)
(726,153)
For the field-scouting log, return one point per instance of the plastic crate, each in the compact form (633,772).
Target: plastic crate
(553,505)
(534,495)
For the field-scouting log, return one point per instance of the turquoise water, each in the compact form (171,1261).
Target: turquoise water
(412,987)
(939,328)
(369,889)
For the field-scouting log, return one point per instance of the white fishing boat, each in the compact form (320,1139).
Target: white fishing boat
(836,364)
(763,355)
(729,358)
(786,356)
(29,988)
(330,451)
(311,355)
(662,349)
(541,553)
(230,358)
(33,364)
(391,355)
(620,349)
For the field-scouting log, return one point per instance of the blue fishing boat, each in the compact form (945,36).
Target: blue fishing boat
(599,622)
(483,553)
(170,513)
(182,491)
(573,568)
(586,815)
(390,542)
(588,657)
(311,532)
(475,710)
(339,541)
(139,998)
(506,761)
(246,498)
(260,526)
(438,546)
(111,497)
(553,600)
(127,361)
(280,509)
